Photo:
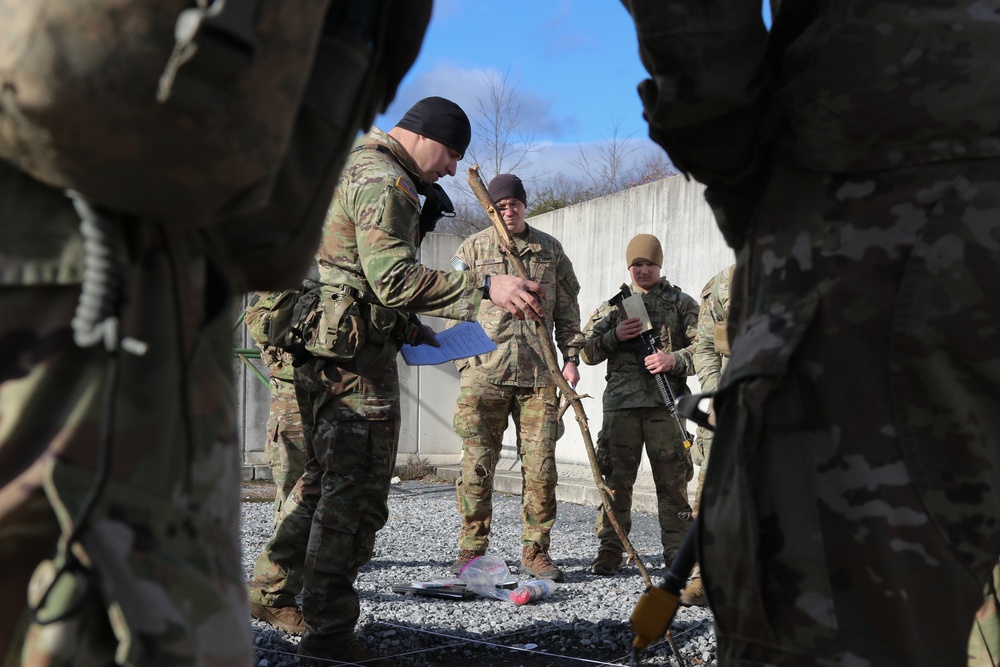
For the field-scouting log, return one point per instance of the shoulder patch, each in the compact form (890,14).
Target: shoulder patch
(404,186)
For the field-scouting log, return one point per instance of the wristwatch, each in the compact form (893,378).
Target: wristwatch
(486,286)
(574,358)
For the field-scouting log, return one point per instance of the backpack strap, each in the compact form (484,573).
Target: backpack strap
(214,45)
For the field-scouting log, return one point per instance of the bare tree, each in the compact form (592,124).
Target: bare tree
(469,218)
(605,170)
(654,166)
(498,146)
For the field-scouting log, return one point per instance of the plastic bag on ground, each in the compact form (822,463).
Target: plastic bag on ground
(482,574)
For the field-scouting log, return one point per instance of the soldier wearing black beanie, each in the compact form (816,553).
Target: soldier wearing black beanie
(441,120)
(368,265)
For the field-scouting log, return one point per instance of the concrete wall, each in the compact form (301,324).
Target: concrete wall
(594,235)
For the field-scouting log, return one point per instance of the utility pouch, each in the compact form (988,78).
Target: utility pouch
(329,323)
(269,316)
(340,330)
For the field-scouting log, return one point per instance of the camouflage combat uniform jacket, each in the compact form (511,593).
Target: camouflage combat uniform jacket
(517,361)
(711,354)
(852,157)
(174,458)
(674,315)
(372,229)
(711,350)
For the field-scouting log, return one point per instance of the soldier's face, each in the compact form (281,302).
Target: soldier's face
(512,212)
(645,275)
(434,160)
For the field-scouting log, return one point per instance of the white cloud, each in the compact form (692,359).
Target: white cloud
(555,160)
(466,86)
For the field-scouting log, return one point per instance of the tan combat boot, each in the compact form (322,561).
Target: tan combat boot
(286,619)
(536,562)
(464,557)
(606,563)
(693,594)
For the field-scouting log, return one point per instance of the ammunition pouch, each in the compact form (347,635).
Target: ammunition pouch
(328,323)
(334,323)
(269,315)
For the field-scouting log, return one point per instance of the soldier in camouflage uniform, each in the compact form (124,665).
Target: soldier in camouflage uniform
(369,280)
(284,448)
(711,354)
(119,462)
(634,410)
(852,155)
(514,380)
(164,536)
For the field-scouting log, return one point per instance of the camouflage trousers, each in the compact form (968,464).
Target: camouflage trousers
(700,453)
(326,530)
(850,513)
(284,449)
(480,420)
(619,452)
(164,583)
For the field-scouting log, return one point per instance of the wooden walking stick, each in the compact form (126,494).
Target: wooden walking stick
(542,330)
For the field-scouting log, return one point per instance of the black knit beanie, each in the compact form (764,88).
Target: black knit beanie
(507,185)
(441,120)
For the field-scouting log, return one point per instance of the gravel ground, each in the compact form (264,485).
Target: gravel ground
(584,622)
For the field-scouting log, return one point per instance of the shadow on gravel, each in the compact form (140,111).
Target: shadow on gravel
(542,643)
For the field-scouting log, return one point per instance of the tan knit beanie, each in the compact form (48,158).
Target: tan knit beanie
(644,248)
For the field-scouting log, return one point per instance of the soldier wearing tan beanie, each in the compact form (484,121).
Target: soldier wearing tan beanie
(634,412)
(644,248)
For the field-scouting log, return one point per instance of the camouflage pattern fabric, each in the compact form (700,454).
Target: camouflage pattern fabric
(634,412)
(858,409)
(674,315)
(984,642)
(518,360)
(369,232)
(514,380)
(709,362)
(328,525)
(239,135)
(480,420)
(350,411)
(163,580)
(849,515)
(284,449)
(619,451)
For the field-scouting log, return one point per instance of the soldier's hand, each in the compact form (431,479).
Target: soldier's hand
(571,373)
(660,362)
(429,337)
(628,329)
(517,295)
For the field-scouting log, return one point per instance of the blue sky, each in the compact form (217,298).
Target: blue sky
(575,62)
